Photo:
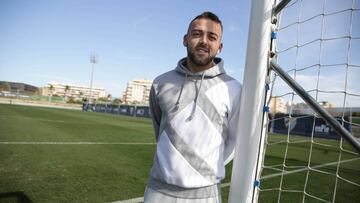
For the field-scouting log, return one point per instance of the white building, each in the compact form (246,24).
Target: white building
(277,105)
(137,92)
(303,108)
(76,92)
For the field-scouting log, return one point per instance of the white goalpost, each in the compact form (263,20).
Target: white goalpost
(300,109)
(245,173)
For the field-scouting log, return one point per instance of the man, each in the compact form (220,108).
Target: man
(195,110)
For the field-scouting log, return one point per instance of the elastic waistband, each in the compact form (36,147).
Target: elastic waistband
(176,191)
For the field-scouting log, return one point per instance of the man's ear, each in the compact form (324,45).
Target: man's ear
(185,40)
(220,48)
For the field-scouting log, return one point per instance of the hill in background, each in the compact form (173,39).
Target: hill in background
(16,87)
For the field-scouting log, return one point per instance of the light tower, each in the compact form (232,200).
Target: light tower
(93,60)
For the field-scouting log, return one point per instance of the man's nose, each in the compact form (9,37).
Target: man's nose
(203,39)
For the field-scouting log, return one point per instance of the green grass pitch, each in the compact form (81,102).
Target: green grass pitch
(112,171)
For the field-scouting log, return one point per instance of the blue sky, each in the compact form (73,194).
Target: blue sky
(338,52)
(43,41)
(51,41)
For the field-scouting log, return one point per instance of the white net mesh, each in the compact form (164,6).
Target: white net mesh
(318,44)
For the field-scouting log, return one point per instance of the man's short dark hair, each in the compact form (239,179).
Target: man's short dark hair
(208,15)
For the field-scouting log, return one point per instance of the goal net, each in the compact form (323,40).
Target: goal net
(318,44)
(300,99)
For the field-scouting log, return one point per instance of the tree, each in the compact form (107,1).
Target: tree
(51,88)
(37,91)
(67,88)
(82,98)
(116,101)
(5,86)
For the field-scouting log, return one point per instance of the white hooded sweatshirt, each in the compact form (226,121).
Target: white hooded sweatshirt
(195,117)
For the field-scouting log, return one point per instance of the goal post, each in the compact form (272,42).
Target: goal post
(248,150)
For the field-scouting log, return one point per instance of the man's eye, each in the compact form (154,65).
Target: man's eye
(196,34)
(212,38)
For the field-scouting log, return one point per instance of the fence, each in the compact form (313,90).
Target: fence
(127,110)
(303,125)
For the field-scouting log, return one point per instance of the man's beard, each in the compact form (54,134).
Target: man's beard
(199,61)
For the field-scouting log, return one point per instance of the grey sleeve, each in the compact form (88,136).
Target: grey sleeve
(155,112)
(230,142)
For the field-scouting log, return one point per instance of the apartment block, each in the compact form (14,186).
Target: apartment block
(137,92)
(77,92)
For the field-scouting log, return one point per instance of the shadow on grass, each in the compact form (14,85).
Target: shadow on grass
(19,196)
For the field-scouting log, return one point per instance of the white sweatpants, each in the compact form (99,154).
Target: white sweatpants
(152,196)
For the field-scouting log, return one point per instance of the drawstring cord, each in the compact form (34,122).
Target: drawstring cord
(178,100)
(196,98)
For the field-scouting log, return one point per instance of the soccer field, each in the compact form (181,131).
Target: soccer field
(55,155)
(72,156)
(324,162)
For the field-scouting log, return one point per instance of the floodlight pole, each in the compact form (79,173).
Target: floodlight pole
(93,60)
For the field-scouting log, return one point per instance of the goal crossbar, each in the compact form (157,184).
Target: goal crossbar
(280,6)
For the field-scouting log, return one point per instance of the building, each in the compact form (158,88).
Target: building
(277,105)
(17,89)
(303,108)
(137,92)
(77,92)
(327,104)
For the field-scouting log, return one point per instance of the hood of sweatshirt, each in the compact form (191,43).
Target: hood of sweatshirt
(214,71)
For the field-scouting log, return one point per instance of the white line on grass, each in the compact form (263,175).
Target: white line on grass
(134,200)
(141,199)
(6,117)
(77,143)
(305,168)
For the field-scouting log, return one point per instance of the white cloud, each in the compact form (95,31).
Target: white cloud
(232,28)
(334,82)
(141,21)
